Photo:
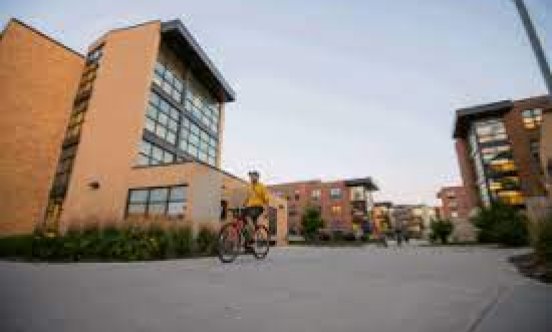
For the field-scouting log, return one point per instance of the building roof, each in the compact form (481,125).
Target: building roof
(176,33)
(366,182)
(464,116)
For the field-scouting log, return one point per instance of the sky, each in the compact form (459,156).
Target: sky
(338,89)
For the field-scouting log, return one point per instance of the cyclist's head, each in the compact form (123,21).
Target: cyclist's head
(254,176)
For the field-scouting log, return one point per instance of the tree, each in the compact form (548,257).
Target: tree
(502,224)
(441,230)
(311,222)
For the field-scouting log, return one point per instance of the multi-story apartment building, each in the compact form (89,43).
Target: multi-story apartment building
(454,203)
(546,150)
(414,218)
(498,148)
(342,203)
(131,129)
(455,207)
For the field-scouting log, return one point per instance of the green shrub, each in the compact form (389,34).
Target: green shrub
(501,224)
(206,241)
(16,246)
(441,230)
(182,239)
(541,240)
(311,222)
(122,242)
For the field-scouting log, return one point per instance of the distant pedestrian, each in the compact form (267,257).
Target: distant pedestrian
(399,231)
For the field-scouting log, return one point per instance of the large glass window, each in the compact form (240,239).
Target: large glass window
(167,79)
(151,154)
(490,131)
(315,194)
(162,119)
(532,119)
(167,201)
(534,150)
(202,105)
(197,142)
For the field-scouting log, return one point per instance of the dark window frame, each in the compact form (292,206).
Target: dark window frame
(166,202)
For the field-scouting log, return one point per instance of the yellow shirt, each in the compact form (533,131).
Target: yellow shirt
(257,195)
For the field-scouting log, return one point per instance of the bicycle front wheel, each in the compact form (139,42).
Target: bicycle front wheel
(261,243)
(228,243)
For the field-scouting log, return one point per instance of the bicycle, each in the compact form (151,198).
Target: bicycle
(232,238)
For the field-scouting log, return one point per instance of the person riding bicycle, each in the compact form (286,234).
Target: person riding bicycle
(257,198)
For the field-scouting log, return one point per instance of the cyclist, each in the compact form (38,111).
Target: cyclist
(256,202)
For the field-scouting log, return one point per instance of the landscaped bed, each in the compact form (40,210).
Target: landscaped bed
(130,242)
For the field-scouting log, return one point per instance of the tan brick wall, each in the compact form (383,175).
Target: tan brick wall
(38,81)
(113,125)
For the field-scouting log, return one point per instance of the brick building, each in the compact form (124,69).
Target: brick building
(342,203)
(131,129)
(455,207)
(498,149)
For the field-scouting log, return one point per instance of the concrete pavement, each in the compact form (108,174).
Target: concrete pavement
(295,289)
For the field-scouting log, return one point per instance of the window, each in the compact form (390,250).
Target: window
(335,193)
(151,154)
(197,142)
(315,194)
(202,105)
(168,81)
(451,194)
(336,209)
(490,131)
(296,194)
(165,201)
(532,119)
(454,214)
(534,150)
(94,55)
(162,119)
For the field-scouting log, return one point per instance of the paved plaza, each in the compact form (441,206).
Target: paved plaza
(295,289)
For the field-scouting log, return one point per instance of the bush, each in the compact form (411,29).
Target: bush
(440,230)
(324,235)
(501,224)
(182,239)
(311,222)
(127,242)
(16,246)
(206,241)
(541,240)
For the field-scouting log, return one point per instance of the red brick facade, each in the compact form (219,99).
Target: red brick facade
(455,203)
(339,212)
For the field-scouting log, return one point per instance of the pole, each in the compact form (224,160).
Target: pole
(535,44)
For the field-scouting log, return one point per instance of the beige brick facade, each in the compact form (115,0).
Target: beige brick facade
(38,80)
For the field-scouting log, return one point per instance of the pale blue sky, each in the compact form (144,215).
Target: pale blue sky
(331,89)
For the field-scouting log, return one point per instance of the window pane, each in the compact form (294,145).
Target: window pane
(171,137)
(158,195)
(178,193)
(145,148)
(168,158)
(157,153)
(156,208)
(138,196)
(136,209)
(176,209)
(142,160)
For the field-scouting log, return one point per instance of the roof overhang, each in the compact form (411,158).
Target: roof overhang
(464,116)
(364,182)
(176,34)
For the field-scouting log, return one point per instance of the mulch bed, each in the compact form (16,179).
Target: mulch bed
(530,267)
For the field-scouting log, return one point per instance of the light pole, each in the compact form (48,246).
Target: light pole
(535,44)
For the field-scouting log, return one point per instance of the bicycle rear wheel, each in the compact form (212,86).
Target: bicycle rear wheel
(261,243)
(228,245)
